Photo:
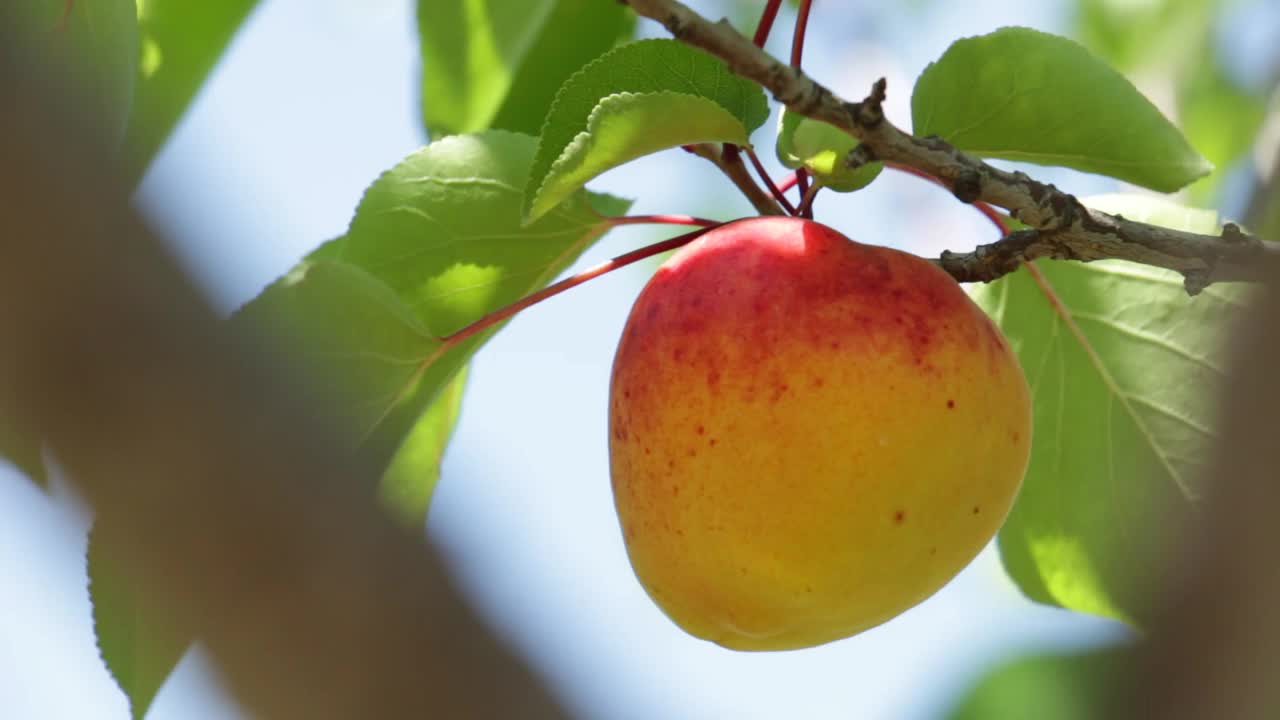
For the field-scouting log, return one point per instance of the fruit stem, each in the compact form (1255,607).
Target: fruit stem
(729,160)
(766,22)
(768,182)
(554,289)
(797,39)
(986,209)
(660,220)
(805,209)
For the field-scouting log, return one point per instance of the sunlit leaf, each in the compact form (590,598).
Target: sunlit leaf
(821,149)
(1123,379)
(1020,94)
(1047,687)
(411,478)
(135,642)
(634,83)
(181,42)
(498,63)
(436,243)
(626,126)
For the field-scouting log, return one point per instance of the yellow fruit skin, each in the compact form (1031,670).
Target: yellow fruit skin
(808,435)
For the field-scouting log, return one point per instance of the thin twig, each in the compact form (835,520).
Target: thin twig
(769,185)
(729,161)
(805,208)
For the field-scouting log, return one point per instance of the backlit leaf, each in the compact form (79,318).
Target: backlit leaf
(136,644)
(822,149)
(1020,94)
(181,41)
(1073,686)
(411,478)
(1123,381)
(661,69)
(498,63)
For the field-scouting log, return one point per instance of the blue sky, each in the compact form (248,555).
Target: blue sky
(315,99)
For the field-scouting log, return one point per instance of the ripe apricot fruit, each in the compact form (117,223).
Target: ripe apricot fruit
(808,435)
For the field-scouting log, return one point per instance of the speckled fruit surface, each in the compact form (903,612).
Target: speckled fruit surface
(808,435)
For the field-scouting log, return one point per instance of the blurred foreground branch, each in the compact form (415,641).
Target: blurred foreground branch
(230,504)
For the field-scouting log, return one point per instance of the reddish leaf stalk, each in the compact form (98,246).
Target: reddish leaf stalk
(802,181)
(773,189)
(661,220)
(766,22)
(805,209)
(797,40)
(554,289)
(789,181)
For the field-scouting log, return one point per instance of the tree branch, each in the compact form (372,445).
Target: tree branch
(1062,227)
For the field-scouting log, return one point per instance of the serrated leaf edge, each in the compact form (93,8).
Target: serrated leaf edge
(580,146)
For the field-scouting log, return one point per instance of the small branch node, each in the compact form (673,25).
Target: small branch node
(967,186)
(860,155)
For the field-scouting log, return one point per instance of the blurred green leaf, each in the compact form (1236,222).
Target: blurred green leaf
(498,63)
(99,43)
(181,41)
(821,148)
(362,347)
(1020,94)
(1129,34)
(1220,117)
(410,480)
(1047,687)
(1123,416)
(135,642)
(626,87)
(23,450)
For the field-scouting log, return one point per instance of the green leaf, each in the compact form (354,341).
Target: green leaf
(498,63)
(181,41)
(822,148)
(624,88)
(1047,687)
(437,242)
(23,450)
(138,647)
(1020,94)
(1123,416)
(443,230)
(626,126)
(359,344)
(409,482)
(98,41)
(1219,116)
(1110,28)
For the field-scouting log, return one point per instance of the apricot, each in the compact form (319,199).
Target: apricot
(808,435)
